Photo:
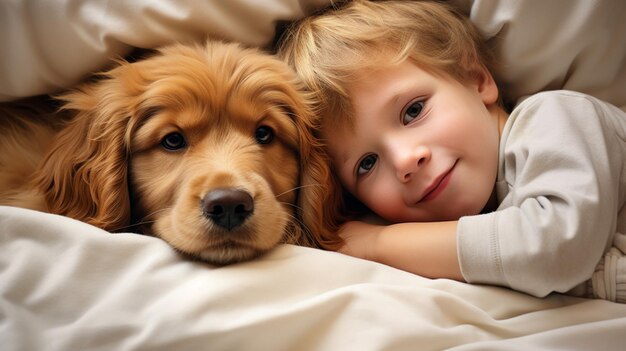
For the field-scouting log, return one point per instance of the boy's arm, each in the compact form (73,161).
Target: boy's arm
(425,248)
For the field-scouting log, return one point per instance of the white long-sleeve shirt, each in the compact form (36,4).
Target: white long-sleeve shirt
(561,187)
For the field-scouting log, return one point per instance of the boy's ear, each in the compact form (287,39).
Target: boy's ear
(487,87)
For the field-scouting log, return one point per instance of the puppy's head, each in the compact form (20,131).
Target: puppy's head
(209,147)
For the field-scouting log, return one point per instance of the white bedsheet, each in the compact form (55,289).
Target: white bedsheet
(66,285)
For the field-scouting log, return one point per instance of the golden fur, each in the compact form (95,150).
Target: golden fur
(119,163)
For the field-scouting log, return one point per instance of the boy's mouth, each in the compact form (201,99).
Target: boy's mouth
(438,185)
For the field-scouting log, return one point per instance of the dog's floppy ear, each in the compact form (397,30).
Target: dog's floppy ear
(319,199)
(84,175)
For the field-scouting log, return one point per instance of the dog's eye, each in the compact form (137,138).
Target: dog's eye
(264,135)
(174,141)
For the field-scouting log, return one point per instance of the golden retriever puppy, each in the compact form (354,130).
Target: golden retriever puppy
(209,147)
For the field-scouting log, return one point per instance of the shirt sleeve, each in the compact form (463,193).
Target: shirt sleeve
(560,173)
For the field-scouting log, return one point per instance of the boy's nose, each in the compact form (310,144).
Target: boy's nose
(409,161)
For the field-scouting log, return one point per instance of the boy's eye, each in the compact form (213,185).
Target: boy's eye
(413,111)
(366,164)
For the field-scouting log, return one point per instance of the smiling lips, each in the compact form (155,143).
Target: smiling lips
(438,185)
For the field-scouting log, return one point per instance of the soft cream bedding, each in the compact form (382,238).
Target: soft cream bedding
(47,45)
(65,285)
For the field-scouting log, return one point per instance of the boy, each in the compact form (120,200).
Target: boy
(415,131)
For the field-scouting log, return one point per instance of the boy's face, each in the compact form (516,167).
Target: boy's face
(424,147)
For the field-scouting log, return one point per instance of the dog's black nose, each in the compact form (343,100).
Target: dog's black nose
(227,207)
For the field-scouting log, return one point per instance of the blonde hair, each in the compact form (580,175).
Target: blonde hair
(333,48)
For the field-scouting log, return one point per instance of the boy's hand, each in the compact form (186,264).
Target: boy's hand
(360,239)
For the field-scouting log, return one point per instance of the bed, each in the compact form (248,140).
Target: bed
(66,285)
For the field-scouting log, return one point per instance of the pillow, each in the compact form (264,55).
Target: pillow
(558,44)
(48,46)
